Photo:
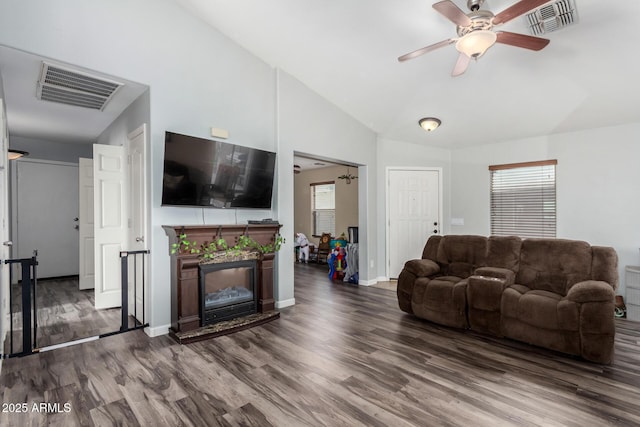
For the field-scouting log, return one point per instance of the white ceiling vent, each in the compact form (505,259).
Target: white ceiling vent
(71,87)
(552,16)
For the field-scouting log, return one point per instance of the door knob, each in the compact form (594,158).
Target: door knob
(75,219)
(8,243)
(435,223)
(435,231)
(77,227)
(139,239)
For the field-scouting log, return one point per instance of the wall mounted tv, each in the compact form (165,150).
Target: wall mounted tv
(206,173)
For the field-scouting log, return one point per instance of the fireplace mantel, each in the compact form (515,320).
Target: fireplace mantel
(185,304)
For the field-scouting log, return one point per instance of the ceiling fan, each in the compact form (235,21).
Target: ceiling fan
(475,31)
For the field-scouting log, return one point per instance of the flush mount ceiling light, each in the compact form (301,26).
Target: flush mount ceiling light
(16,154)
(429,123)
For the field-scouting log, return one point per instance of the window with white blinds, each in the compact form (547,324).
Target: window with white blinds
(323,206)
(523,199)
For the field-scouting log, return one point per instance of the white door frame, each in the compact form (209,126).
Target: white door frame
(388,171)
(139,221)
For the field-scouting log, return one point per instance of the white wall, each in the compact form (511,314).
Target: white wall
(311,125)
(597,185)
(131,119)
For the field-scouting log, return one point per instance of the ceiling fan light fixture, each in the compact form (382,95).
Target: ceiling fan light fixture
(476,43)
(16,154)
(429,123)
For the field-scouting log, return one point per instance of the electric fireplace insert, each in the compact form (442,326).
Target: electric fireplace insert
(227,290)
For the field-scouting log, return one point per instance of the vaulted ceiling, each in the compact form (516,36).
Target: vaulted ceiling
(347,52)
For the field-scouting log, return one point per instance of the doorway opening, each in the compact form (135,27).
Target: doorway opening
(48,203)
(326,207)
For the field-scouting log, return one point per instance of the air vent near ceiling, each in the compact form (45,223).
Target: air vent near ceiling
(71,87)
(552,16)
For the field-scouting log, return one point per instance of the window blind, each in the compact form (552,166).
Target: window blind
(523,199)
(324,196)
(324,221)
(323,203)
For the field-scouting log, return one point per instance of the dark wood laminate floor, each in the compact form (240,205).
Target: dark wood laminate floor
(65,314)
(342,356)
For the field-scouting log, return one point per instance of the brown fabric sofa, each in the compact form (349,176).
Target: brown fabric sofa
(552,293)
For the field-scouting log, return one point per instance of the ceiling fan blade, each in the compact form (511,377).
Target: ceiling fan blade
(426,49)
(523,6)
(461,65)
(452,12)
(521,40)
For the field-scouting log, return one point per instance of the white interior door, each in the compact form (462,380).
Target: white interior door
(86,224)
(413,206)
(138,209)
(110,229)
(46,215)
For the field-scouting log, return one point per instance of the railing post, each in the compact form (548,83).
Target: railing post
(34,270)
(26,308)
(124,266)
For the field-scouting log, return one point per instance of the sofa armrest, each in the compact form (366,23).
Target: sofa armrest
(485,292)
(422,267)
(591,291)
(499,273)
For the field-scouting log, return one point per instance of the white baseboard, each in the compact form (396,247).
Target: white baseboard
(367,282)
(157,331)
(285,303)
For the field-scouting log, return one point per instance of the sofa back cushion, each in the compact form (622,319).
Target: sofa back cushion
(460,255)
(430,250)
(504,252)
(554,264)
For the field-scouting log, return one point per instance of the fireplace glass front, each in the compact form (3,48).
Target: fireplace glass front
(227,290)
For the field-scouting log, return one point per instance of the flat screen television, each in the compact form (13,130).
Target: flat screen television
(208,173)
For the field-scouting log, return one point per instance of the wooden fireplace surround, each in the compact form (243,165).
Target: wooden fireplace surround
(185,304)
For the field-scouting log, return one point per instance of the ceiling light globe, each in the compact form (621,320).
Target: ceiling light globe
(429,123)
(476,43)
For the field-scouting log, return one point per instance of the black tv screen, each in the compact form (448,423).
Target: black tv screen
(216,174)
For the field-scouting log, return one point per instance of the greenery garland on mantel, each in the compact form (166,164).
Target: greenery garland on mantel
(210,250)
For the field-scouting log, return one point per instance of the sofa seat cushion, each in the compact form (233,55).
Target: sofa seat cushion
(442,300)
(542,309)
